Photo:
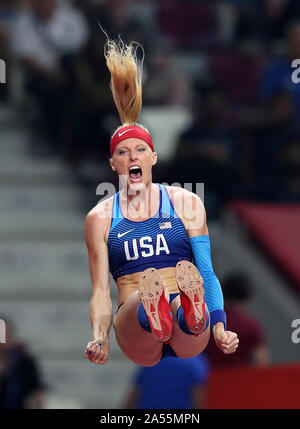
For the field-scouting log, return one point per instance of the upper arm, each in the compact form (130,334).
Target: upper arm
(95,238)
(192,212)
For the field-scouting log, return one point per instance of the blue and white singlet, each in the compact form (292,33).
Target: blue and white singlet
(158,242)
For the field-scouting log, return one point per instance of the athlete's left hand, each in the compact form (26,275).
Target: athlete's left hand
(227,341)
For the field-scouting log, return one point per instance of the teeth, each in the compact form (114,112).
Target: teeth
(132,169)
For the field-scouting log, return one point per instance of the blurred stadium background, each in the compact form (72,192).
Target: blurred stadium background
(222,109)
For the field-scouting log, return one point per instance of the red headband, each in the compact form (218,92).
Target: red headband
(130,131)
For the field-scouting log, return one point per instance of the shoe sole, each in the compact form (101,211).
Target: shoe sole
(190,284)
(152,295)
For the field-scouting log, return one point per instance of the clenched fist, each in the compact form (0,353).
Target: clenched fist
(97,351)
(227,341)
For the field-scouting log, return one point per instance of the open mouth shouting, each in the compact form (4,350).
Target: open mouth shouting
(135,173)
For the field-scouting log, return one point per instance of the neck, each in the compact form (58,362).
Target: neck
(141,203)
(142,191)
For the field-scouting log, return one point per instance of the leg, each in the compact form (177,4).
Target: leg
(191,323)
(137,344)
(186,345)
(155,301)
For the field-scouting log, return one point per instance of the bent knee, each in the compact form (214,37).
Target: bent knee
(189,352)
(185,355)
(149,362)
(144,360)
(141,356)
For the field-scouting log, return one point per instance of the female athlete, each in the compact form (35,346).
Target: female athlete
(147,236)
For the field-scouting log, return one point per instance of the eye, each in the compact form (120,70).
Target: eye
(122,152)
(141,149)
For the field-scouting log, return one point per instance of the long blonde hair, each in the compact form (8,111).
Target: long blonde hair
(126,79)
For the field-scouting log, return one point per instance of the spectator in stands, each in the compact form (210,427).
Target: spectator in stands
(205,150)
(290,12)
(20,380)
(93,106)
(269,138)
(165,83)
(289,162)
(143,14)
(278,74)
(158,387)
(134,20)
(260,21)
(237,290)
(8,10)
(188,24)
(46,38)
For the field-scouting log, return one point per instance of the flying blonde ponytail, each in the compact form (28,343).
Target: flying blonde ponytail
(126,79)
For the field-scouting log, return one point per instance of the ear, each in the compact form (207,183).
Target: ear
(154,158)
(111,161)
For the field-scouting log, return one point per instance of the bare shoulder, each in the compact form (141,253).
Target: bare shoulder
(98,218)
(102,210)
(189,207)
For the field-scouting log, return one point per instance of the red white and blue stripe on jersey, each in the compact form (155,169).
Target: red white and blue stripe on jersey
(158,242)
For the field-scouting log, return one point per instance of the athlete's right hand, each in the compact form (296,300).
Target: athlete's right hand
(97,351)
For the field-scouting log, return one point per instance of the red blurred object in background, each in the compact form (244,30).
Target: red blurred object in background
(273,387)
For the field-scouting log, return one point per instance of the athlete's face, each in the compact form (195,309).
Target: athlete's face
(133,161)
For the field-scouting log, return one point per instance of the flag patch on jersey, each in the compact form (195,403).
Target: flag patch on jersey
(165,225)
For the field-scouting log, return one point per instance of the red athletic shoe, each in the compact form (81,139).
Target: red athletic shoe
(152,294)
(190,284)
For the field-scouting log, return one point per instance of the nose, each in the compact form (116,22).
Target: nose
(133,155)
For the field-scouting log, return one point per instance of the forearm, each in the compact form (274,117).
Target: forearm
(218,328)
(212,288)
(101,315)
(36,70)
